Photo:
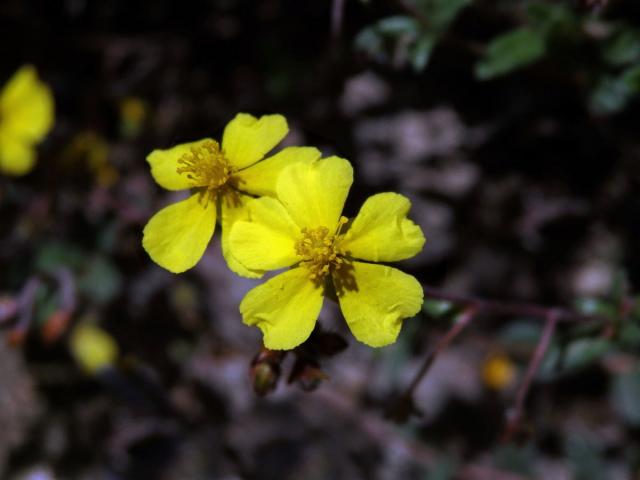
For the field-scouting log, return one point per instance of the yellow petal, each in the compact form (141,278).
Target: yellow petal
(314,193)
(381,232)
(16,157)
(93,348)
(285,308)
(260,179)
(247,139)
(233,208)
(164,165)
(267,240)
(375,299)
(177,236)
(26,106)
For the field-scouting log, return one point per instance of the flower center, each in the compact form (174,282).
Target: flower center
(319,251)
(206,166)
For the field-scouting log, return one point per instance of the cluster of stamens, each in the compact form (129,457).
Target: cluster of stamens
(206,166)
(319,251)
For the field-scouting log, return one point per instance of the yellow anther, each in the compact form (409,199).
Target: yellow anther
(206,166)
(317,250)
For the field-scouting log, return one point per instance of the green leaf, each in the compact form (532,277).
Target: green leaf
(100,281)
(626,395)
(551,18)
(612,94)
(585,351)
(623,48)
(55,255)
(421,52)
(509,52)
(441,13)
(520,332)
(437,308)
(629,336)
(398,25)
(595,306)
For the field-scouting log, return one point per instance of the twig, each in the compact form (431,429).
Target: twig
(495,307)
(514,414)
(26,299)
(403,407)
(67,289)
(337,13)
(461,323)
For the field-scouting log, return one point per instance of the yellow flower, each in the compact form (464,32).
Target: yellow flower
(498,372)
(93,348)
(222,179)
(304,229)
(26,116)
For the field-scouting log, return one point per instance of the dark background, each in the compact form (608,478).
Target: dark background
(525,186)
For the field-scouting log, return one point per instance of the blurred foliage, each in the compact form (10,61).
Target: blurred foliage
(549,32)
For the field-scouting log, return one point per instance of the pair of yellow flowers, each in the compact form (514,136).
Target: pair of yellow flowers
(281,212)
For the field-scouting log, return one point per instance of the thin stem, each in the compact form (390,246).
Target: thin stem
(514,415)
(463,320)
(337,12)
(532,310)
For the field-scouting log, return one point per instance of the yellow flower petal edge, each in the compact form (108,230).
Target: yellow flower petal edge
(379,299)
(261,179)
(233,208)
(267,242)
(26,106)
(285,308)
(247,139)
(26,116)
(177,236)
(314,193)
(381,232)
(164,165)
(16,157)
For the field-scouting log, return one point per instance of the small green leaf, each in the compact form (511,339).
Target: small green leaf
(595,306)
(437,308)
(100,280)
(612,94)
(549,18)
(623,48)
(585,351)
(441,13)
(55,255)
(629,336)
(421,52)
(626,395)
(398,25)
(509,52)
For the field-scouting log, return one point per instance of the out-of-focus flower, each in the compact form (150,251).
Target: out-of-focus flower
(498,372)
(93,348)
(26,116)
(223,179)
(133,113)
(304,229)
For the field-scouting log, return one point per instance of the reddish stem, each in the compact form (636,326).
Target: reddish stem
(514,414)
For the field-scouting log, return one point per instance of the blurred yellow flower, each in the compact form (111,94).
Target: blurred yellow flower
(93,348)
(26,116)
(304,229)
(223,178)
(498,372)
